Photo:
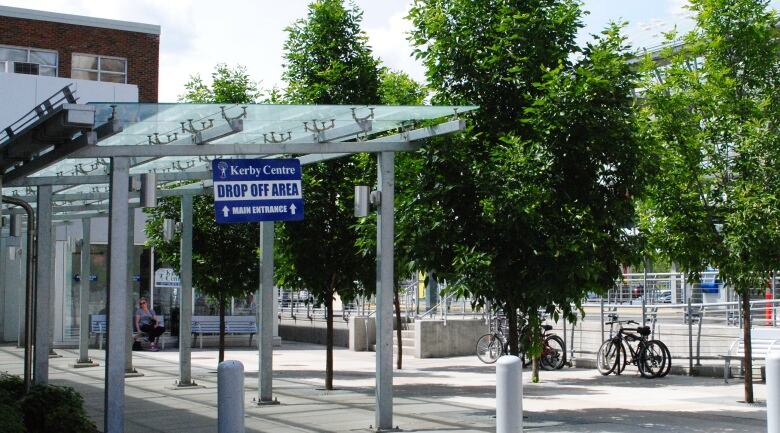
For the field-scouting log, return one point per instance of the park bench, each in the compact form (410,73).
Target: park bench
(762,342)
(99,328)
(209,325)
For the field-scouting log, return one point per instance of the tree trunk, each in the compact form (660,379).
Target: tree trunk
(748,361)
(397,302)
(222,308)
(329,341)
(511,318)
(534,369)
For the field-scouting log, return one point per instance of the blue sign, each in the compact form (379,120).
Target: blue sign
(250,190)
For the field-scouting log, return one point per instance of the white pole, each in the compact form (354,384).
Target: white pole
(230,397)
(509,395)
(773,392)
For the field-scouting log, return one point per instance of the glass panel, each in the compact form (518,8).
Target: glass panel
(13,54)
(48,71)
(84,75)
(81,61)
(112,78)
(112,65)
(43,57)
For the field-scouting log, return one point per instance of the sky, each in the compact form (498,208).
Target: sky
(198,34)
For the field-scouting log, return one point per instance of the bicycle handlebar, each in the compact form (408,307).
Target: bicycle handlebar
(628,322)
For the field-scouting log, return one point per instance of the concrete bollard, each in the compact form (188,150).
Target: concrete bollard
(230,397)
(773,392)
(509,395)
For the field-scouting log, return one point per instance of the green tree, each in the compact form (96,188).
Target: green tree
(327,61)
(714,109)
(212,243)
(396,88)
(228,85)
(528,208)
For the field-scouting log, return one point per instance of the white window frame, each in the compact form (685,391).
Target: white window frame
(56,65)
(98,70)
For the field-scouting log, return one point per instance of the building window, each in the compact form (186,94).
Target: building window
(99,68)
(23,60)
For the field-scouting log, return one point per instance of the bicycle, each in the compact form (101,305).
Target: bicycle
(491,346)
(651,357)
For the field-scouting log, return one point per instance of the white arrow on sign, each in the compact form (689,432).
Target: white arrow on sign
(292,208)
(225,211)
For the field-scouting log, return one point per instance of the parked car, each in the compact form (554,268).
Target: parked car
(665,296)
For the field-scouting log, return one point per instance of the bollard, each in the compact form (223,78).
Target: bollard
(773,392)
(509,395)
(230,397)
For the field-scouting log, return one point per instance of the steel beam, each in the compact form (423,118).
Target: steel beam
(44,281)
(185,307)
(241,149)
(384,291)
(266,312)
(114,416)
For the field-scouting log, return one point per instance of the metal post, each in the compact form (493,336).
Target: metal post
(644,311)
(384,293)
(773,392)
(44,282)
(773,306)
(85,271)
(509,395)
(29,297)
(230,397)
(185,300)
(689,316)
(116,345)
(130,371)
(266,311)
(601,313)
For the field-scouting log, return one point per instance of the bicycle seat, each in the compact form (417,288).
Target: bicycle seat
(547,327)
(643,330)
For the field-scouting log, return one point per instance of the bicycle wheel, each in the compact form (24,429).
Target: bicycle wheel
(651,359)
(553,354)
(489,348)
(667,358)
(608,357)
(623,360)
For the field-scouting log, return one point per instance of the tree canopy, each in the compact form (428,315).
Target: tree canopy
(529,207)
(713,112)
(328,61)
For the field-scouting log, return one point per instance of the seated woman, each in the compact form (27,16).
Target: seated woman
(146,323)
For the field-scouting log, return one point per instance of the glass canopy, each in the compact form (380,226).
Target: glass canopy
(263,124)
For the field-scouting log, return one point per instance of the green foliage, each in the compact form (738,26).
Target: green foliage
(529,207)
(712,202)
(397,88)
(231,85)
(45,409)
(328,62)
(224,256)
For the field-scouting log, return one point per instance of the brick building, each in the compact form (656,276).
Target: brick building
(78,47)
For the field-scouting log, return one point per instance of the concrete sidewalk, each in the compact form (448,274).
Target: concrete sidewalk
(431,395)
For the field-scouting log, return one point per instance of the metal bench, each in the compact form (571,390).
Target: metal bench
(98,327)
(762,341)
(202,325)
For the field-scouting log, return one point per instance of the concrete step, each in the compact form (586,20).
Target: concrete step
(407,334)
(407,350)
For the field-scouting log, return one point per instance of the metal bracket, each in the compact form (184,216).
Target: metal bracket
(274,140)
(320,129)
(228,118)
(370,115)
(157,140)
(192,129)
(177,165)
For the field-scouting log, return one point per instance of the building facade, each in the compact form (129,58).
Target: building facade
(83,48)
